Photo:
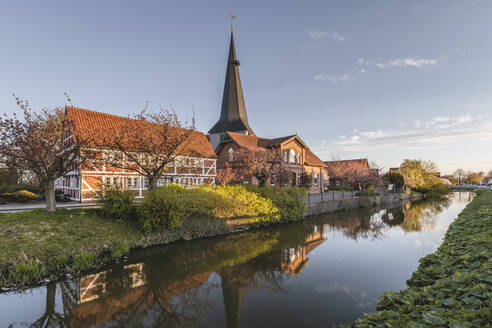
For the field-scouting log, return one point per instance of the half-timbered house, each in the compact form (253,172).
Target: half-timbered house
(195,165)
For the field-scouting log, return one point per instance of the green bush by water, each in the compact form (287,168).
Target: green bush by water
(170,207)
(117,204)
(453,286)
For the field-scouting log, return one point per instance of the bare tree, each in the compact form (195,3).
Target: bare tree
(260,164)
(459,174)
(226,175)
(149,143)
(43,143)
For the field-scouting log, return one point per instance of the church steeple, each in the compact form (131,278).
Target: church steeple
(233,115)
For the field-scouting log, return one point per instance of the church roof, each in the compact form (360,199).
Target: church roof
(233,115)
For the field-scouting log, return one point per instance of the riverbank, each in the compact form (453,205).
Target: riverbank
(453,286)
(36,246)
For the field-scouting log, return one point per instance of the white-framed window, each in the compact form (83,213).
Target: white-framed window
(298,158)
(337,183)
(273,179)
(129,182)
(136,182)
(316,179)
(286,156)
(146,183)
(292,156)
(298,176)
(230,155)
(199,180)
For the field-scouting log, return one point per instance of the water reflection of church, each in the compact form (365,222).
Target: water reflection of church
(131,294)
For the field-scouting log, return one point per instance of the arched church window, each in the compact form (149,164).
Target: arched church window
(292,156)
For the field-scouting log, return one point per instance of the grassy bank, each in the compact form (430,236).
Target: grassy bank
(36,245)
(453,286)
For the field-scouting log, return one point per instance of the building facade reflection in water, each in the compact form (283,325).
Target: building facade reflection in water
(171,285)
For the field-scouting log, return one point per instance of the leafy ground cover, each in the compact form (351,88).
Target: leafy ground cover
(453,286)
(37,245)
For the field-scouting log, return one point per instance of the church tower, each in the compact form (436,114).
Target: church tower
(233,115)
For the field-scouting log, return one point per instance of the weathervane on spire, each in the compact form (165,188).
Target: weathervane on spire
(233,17)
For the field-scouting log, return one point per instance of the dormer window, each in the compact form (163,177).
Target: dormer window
(230,154)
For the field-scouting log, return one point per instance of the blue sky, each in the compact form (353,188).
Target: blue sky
(386,80)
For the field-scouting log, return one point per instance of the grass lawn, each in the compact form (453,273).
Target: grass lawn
(37,245)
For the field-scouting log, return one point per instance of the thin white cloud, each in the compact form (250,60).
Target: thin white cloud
(364,65)
(437,131)
(408,62)
(335,79)
(334,35)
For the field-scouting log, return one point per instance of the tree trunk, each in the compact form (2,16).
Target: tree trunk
(152,183)
(50,196)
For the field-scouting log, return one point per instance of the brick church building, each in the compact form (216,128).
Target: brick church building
(232,133)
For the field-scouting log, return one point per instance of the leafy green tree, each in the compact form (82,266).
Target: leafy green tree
(421,176)
(396,179)
(475,177)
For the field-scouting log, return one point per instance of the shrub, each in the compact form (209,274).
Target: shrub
(169,206)
(21,196)
(290,201)
(117,204)
(245,202)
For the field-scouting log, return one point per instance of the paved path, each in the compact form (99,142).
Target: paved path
(19,207)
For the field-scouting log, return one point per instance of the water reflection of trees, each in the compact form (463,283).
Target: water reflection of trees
(372,224)
(363,224)
(173,286)
(423,215)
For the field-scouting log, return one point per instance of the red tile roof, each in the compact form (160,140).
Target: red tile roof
(95,125)
(254,143)
(312,159)
(248,141)
(334,167)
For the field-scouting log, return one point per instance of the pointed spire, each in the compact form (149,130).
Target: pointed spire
(233,115)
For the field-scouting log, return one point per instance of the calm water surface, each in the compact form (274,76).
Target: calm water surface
(321,272)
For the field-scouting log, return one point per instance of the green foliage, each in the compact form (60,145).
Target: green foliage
(84,261)
(396,179)
(21,196)
(289,201)
(421,176)
(453,286)
(241,202)
(118,204)
(169,206)
(24,273)
(433,187)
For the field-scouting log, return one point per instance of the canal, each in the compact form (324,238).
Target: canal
(321,272)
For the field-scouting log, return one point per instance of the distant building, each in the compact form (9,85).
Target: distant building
(232,133)
(344,172)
